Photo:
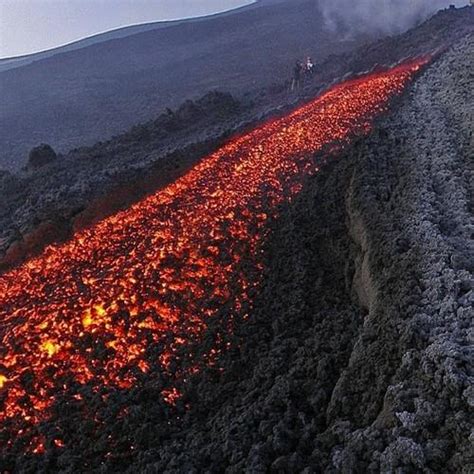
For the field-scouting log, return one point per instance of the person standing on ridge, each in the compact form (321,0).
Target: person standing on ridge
(309,66)
(297,70)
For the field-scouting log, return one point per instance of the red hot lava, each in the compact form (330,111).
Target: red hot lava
(88,312)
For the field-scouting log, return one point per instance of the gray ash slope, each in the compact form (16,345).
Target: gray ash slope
(78,97)
(358,356)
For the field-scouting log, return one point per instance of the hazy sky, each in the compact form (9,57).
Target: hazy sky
(27,26)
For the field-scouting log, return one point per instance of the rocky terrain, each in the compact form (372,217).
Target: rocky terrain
(357,355)
(46,205)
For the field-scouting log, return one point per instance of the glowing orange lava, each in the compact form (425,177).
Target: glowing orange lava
(89,312)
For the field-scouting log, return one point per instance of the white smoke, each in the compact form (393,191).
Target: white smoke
(379,16)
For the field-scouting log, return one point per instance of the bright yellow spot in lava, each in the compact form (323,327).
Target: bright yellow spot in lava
(96,315)
(50,348)
(138,290)
(87,319)
(99,309)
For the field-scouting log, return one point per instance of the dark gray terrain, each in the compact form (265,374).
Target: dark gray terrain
(358,353)
(44,205)
(79,97)
(359,356)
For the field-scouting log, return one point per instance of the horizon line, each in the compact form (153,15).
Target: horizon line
(124,27)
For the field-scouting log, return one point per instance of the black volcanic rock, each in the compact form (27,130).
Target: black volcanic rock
(40,156)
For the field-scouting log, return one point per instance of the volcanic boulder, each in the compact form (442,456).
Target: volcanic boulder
(40,156)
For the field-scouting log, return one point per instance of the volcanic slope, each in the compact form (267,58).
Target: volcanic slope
(126,303)
(358,355)
(44,205)
(80,97)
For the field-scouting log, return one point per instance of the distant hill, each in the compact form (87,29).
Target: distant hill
(94,89)
(19,61)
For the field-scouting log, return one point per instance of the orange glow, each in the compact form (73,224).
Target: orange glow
(59,443)
(171,395)
(159,271)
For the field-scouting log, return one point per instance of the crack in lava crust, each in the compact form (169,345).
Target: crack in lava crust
(122,299)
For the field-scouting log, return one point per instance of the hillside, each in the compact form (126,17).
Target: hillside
(255,280)
(82,96)
(348,349)
(357,356)
(118,33)
(45,205)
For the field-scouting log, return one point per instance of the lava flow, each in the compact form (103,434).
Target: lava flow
(122,299)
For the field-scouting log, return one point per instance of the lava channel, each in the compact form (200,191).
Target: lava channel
(121,300)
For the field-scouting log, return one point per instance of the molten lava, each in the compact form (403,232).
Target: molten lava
(122,299)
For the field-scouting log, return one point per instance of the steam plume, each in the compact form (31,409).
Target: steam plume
(379,16)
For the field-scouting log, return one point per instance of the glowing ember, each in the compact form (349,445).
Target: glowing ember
(50,348)
(93,312)
(59,443)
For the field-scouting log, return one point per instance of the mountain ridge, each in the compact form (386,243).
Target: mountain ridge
(12,62)
(90,94)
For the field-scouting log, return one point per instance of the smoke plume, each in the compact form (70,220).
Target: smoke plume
(379,16)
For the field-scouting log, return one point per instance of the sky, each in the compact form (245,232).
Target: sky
(28,26)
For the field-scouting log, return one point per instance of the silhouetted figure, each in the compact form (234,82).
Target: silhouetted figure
(297,71)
